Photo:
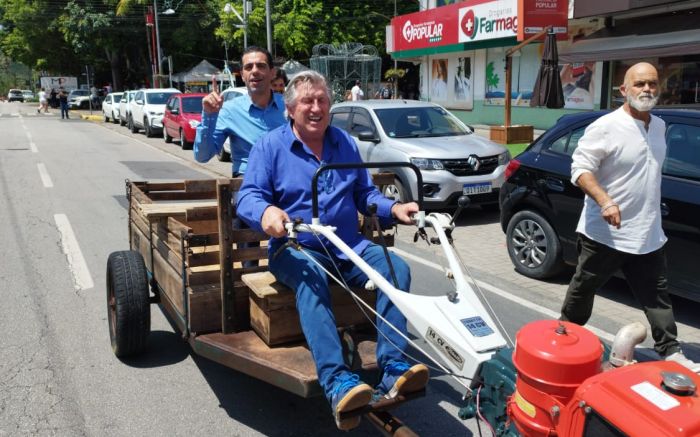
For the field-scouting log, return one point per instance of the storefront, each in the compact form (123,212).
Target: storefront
(461,51)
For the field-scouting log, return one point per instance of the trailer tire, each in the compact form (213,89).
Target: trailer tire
(128,306)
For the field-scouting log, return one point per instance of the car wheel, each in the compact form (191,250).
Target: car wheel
(223,155)
(106,117)
(147,129)
(183,141)
(132,126)
(533,245)
(168,139)
(115,120)
(121,121)
(128,305)
(396,191)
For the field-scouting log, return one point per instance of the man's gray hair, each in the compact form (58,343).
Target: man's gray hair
(310,77)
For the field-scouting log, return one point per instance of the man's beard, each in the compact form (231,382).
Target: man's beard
(644,102)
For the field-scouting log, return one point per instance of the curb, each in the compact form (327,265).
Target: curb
(91,117)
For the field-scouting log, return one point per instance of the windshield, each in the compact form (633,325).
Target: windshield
(79,93)
(192,105)
(428,121)
(116,98)
(158,98)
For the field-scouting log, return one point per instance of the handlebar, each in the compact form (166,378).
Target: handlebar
(340,166)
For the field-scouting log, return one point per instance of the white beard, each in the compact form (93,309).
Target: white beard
(642,103)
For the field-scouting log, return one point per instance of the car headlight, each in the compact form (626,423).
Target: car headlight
(427,164)
(504,158)
(194,124)
(154,113)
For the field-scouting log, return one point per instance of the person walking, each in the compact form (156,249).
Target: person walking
(63,101)
(356,92)
(43,102)
(618,165)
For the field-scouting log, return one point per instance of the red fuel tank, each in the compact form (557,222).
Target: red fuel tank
(552,359)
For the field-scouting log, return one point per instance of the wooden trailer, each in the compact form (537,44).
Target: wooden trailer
(185,256)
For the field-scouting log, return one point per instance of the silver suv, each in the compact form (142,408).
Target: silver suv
(452,159)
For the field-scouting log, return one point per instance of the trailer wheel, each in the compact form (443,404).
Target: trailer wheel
(128,306)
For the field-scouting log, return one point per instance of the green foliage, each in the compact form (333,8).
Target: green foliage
(492,78)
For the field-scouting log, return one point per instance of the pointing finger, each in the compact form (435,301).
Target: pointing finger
(214,84)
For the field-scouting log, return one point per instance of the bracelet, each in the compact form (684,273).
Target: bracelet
(608,206)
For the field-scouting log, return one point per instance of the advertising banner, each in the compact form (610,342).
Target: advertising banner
(56,82)
(535,15)
(451,83)
(464,22)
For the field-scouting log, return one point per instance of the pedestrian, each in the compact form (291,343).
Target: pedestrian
(43,103)
(618,165)
(356,92)
(276,187)
(63,101)
(53,100)
(243,120)
(280,81)
(384,92)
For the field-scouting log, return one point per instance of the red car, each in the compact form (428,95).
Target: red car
(183,113)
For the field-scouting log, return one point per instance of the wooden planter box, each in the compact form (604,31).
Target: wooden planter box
(273,312)
(512,134)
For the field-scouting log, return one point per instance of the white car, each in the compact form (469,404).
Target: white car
(230,94)
(78,99)
(127,97)
(110,106)
(28,95)
(147,109)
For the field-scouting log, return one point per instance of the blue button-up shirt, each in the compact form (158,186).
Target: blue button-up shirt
(241,121)
(280,172)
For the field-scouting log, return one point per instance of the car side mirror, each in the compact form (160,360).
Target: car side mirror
(367,136)
(139,102)
(174,111)
(471,128)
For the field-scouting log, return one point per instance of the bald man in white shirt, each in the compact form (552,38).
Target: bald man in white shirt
(618,165)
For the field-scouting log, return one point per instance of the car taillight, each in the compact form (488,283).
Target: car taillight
(513,166)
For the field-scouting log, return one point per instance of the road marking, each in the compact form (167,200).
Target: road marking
(76,262)
(504,294)
(29,136)
(33,148)
(44,174)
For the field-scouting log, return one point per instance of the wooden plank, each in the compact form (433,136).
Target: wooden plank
(141,244)
(168,253)
(203,240)
(202,213)
(203,226)
(170,281)
(140,223)
(147,187)
(231,319)
(248,236)
(150,210)
(201,186)
(205,309)
(250,254)
(202,258)
(179,196)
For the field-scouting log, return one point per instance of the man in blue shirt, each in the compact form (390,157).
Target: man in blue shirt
(277,187)
(244,119)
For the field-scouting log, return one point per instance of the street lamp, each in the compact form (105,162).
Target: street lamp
(247,5)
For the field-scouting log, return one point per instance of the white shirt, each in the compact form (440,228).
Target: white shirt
(356,93)
(42,96)
(626,161)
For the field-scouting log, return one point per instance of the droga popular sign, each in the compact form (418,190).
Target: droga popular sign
(467,21)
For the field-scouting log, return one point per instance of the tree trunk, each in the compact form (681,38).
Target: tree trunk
(113,58)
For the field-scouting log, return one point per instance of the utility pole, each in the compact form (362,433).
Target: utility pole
(268,25)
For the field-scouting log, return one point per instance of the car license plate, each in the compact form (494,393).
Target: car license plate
(481,188)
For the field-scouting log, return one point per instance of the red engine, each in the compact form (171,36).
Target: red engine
(561,390)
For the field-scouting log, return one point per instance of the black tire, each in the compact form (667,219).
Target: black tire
(533,245)
(121,122)
(396,191)
(128,306)
(147,129)
(223,155)
(167,138)
(106,117)
(115,120)
(132,126)
(186,145)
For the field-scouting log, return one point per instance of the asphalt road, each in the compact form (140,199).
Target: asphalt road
(63,203)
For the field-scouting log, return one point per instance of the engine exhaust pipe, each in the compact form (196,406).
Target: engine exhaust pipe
(622,352)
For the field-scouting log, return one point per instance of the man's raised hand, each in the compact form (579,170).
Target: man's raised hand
(213,102)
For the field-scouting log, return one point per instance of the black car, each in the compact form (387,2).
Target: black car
(540,207)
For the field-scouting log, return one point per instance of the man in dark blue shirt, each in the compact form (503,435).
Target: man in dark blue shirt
(277,187)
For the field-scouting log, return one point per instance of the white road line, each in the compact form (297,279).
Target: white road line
(33,148)
(76,262)
(504,294)
(45,178)
(29,136)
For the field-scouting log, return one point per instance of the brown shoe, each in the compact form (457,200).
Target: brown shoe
(400,379)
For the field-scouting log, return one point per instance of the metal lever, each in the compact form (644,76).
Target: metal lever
(462,203)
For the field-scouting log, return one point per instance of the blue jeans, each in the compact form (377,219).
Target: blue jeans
(295,270)
(64,110)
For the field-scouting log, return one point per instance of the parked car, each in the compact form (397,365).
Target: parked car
(147,109)
(124,113)
(230,94)
(183,113)
(452,159)
(110,106)
(28,94)
(15,95)
(79,99)
(540,207)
